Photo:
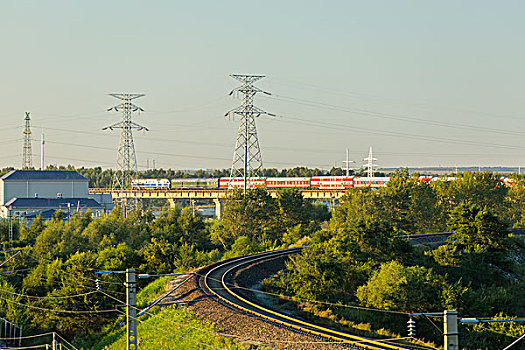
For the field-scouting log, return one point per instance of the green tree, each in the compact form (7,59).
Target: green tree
(476,229)
(253,215)
(396,287)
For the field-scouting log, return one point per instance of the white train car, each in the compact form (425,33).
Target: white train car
(332,182)
(287,182)
(154,184)
(372,182)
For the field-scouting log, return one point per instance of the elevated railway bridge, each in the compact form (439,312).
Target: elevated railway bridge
(215,195)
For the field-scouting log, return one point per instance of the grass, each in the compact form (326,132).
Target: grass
(169,328)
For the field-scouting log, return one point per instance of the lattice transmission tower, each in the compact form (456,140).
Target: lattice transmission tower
(370,166)
(27,161)
(126,169)
(247,158)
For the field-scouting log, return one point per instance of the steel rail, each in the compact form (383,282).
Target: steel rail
(221,290)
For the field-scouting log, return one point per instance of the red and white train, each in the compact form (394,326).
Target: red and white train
(317,182)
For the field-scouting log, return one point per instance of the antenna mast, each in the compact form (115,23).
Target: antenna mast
(27,161)
(126,168)
(347,162)
(247,158)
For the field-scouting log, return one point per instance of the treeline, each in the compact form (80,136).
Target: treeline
(51,284)
(361,260)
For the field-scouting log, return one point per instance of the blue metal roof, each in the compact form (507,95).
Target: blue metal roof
(45,214)
(52,203)
(43,175)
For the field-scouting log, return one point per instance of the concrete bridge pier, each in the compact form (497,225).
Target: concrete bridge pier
(172,202)
(218,207)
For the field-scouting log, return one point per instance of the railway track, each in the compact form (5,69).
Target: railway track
(216,281)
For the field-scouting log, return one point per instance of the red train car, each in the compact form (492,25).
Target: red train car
(372,182)
(332,182)
(287,182)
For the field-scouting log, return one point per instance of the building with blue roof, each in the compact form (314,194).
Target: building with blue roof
(42,184)
(24,192)
(30,208)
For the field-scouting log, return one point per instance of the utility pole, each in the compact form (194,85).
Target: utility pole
(370,166)
(451,330)
(126,168)
(10,226)
(131,305)
(131,308)
(27,161)
(43,142)
(247,158)
(347,162)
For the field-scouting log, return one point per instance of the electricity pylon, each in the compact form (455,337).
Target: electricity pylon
(126,169)
(370,166)
(247,158)
(27,161)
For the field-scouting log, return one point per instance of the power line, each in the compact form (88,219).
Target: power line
(419,104)
(47,297)
(327,125)
(58,310)
(393,117)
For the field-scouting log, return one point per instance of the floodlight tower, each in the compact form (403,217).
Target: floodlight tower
(27,161)
(126,168)
(370,166)
(347,162)
(247,158)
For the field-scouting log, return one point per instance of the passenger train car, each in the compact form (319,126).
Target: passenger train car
(150,184)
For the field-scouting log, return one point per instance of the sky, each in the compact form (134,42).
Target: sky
(425,83)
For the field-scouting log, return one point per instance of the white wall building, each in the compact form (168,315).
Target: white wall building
(68,186)
(42,184)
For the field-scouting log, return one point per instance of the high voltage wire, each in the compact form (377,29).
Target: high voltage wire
(392,100)
(338,127)
(155,153)
(404,135)
(392,116)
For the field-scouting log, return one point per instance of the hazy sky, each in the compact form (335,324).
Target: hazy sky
(425,83)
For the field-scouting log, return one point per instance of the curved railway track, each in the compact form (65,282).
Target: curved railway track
(215,279)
